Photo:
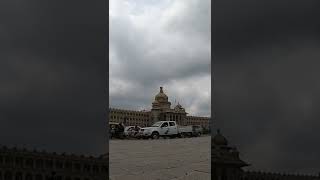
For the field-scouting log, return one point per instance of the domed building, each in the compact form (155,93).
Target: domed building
(226,164)
(160,111)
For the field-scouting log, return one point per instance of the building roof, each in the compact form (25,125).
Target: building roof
(219,139)
(161,96)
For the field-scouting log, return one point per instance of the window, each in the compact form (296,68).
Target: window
(49,163)
(39,163)
(95,168)
(87,167)
(29,163)
(105,168)
(28,177)
(59,165)
(164,124)
(8,175)
(8,160)
(19,162)
(38,177)
(68,165)
(77,166)
(18,176)
(171,123)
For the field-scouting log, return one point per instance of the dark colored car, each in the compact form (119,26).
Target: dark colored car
(115,130)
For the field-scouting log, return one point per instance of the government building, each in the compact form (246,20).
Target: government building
(160,111)
(23,164)
(227,165)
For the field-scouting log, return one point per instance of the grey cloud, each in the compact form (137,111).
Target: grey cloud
(157,54)
(266,85)
(53,76)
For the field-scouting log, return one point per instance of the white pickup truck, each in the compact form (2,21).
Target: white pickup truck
(166,129)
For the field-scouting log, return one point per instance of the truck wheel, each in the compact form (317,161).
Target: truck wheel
(199,134)
(155,135)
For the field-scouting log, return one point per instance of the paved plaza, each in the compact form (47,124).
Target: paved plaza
(161,159)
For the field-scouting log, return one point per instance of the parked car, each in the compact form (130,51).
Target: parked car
(197,130)
(115,130)
(170,129)
(160,129)
(130,131)
(190,131)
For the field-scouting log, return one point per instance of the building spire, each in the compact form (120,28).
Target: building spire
(161,89)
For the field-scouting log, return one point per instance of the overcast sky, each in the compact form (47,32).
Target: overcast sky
(53,75)
(267,87)
(160,43)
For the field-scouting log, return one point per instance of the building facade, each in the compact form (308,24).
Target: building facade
(227,165)
(21,164)
(160,110)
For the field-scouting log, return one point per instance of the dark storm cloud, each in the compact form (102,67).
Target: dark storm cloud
(165,43)
(266,81)
(53,75)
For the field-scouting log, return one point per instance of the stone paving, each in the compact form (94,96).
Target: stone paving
(161,159)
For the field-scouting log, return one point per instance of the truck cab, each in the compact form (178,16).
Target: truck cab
(160,128)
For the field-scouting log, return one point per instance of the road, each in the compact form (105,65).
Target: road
(161,159)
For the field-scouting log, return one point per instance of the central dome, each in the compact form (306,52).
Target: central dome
(219,139)
(161,96)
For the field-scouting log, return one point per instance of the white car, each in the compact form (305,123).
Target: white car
(160,128)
